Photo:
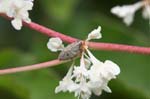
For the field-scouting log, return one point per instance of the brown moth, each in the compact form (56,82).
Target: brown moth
(71,51)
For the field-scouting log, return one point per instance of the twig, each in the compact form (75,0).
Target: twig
(31,67)
(50,32)
(120,47)
(94,45)
(68,39)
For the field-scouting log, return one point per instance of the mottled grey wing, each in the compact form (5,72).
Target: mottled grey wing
(66,55)
(71,51)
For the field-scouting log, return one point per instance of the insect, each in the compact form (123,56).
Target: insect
(71,51)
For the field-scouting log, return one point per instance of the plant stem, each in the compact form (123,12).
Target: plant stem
(94,45)
(49,32)
(68,39)
(31,67)
(120,47)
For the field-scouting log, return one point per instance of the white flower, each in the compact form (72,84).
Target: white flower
(67,84)
(110,70)
(83,90)
(146,12)
(95,34)
(17,23)
(4,6)
(97,90)
(107,70)
(87,63)
(100,73)
(91,76)
(55,44)
(18,10)
(80,72)
(127,12)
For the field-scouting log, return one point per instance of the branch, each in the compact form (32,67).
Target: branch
(94,45)
(68,39)
(31,67)
(120,47)
(98,46)
(50,32)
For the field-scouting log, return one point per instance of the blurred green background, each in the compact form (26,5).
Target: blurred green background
(75,18)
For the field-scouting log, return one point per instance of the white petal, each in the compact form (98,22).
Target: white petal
(28,5)
(67,84)
(128,19)
(95,34)
(24,15)
(87,63)
(17,3)
(93,59)
(17,23)
(109,70)
(83,91)
(28,20)
(10,13)
(80,71)
(146,12)
(127,11)
(97,91)
(55,44)
(18,9)
(107,89)
(114,68)
(94,73)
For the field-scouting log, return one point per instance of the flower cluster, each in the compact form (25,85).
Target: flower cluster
(91,76)
(18,10)
(127,12)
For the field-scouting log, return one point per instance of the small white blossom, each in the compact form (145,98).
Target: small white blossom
(97,90)
(110,70)
(127,12)
(95,34)
(91,76)
(17,23)
(83,90)
(107,70)
(87,63)
(146,12)
(80,71)
(100,73)
(18,10)
(55,44)
(67,84)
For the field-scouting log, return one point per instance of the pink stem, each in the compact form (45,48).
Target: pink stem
(98,46)
(68,39)
(120,47)
(31,67)
(50,32)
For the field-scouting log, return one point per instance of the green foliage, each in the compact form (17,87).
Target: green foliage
(75,18)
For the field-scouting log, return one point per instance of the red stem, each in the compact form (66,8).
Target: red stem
(120,47)
(68,39)
(98,46)
(50,32)
(31,67)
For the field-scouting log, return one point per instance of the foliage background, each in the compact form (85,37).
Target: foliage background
(75,18)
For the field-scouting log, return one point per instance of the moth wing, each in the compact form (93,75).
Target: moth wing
(66,55)
(71,51)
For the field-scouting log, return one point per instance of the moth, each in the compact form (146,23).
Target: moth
(71,51)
